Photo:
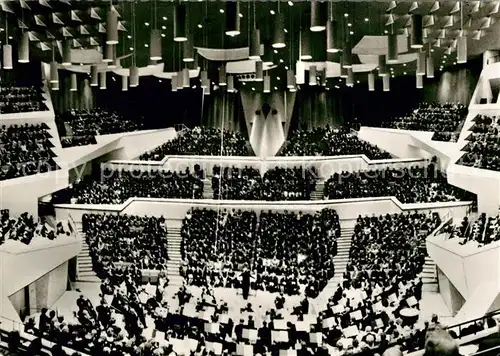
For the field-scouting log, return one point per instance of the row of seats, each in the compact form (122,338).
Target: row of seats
(483,231)
(16,98)
(25,150)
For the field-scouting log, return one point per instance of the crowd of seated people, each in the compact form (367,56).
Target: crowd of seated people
(129,239)
(72,141)
(25,150)
(285,252)
(115,187)
(483,149)
(278,183)
(20,98)
(445,120)
(325,141)
(483,231)
(24,228)
(382,279)
(201,141)
(408,185)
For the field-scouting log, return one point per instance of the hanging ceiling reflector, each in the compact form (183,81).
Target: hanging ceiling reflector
(134,77)
(267,84)
(317,17)
(54,73)
(382,66)
(186,83)
(259,71)
(188,50)
(313,80)
(268,59)
(290,79)
(279,31)
(180,80)
(293,90)
(233,18)
(371,82)
(416,31)
(66,53)
(386,82)
(462,49)
(392,43)
(109,55)
(207,89)
(430,67)
(230,84)
(180,23)
(331,37)
(255,45)
(421,63)
(322,77)
(420,81)
(24,49)
(54,86)
(343,70)
(102,80)
(112,27)
(124,83)
(349,81)
(94,77)
(174,82)
(7,56)
(305,49)
(155,45)
(203,78)
(74,83)
(222,76)
(347,56)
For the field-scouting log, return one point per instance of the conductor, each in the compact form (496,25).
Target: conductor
(245,283)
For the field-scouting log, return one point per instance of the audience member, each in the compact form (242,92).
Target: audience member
(20,98)
(72,141)
(483,231)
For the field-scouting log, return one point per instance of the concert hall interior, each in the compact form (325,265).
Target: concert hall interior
(249,177)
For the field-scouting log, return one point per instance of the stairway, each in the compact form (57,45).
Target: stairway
(340,260)
(318,192)
(208,193)
(84,271)
(174,255)
(429,276)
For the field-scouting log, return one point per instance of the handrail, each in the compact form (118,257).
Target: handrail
(487,351)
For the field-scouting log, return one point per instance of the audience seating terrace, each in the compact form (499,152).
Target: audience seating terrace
(445,120)
(72,141)
(285,252)
(483,231)
(25,150)
(408,185)
(201,141)
(325,141)
(24,228)
(483,149)
(115,187)
(16,98)
(277,184)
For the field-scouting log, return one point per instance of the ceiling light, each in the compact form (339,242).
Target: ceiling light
(129,36)
(275,51)
(146,23)
(404,73)
(279,32)
(286,67)
(164,27)
(366,19)
(349,24)
(232,18)
(146,45)
(277,78)
(404,64)
(7,63)
(159,80)
(346,15)
(290,3)
(164,18)
(253,89)
(10,37)
(162,35)
(275,88)
(221,11)
(351,32)
(272,12)
(386,32)
(255,45)
(286,31)
(240,14)
(200,25)
(131,48)
(112,27)
(180,24)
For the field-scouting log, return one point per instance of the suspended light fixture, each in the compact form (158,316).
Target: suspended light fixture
(421,63)
(371,82)
(94,78)
(134,77)
(386,82)
(66,53)
(349,81)
(152,63)
(255,45)
(317,17)
(7,56)
(222,76)
(233,18)
(112,27)
(24,49)
(267,84)
(290,79)
(279,31)
(54,73)
(343,70)
(322,76)
(347,56)
(124,83)
(382,66)
(174,82)
(54,86)
(313,80)
(430,67)
(392,43)
(203,78)
(268,57)
(180,23)
(74,83)
(416,31)
(207,89)
(462,49)
(155,50)
(188,50)
(109,55)
(331,37)
(420,81)
(259,71)
(102,80)
(230,84)
(180,80)
(305,49)
(186,82)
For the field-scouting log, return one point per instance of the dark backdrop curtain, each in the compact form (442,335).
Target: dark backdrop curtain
(224,110)
(64,99)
